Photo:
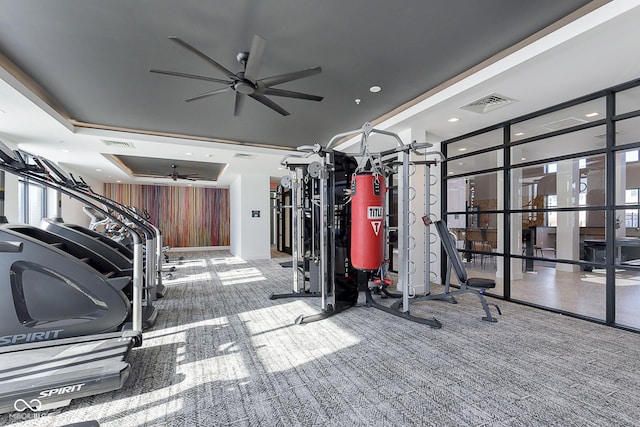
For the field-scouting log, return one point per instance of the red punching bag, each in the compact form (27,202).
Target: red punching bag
(367,221)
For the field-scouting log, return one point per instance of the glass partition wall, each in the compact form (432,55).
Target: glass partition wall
(548,205)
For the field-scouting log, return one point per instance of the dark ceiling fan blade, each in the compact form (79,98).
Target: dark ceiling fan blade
(204,56)
(190,76)
(255,58)
(291,94)
(239,103)
(210,93)
(288,77)
(269,103)
(189,176)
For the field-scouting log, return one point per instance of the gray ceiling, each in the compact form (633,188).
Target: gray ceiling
(92,57)
(169,168)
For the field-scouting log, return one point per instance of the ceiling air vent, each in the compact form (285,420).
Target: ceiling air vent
(243,156)
(488,103)
(563,124)
(121,144)
(604,135)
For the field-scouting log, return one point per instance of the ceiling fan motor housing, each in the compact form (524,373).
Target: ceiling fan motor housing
(244,87)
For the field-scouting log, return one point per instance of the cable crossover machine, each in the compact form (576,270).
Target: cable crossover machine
(340,224)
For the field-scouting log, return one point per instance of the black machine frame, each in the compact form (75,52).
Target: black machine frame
(336,296)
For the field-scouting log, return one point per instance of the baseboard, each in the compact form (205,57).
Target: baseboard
(200,248)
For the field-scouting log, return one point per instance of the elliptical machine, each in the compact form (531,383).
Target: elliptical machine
(65,183)
(56,281)
(61,319)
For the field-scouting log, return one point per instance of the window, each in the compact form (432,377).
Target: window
(631,215)
(564,119)
(483,141)
(561,168)
(552,217)
(32,203)
(631,156)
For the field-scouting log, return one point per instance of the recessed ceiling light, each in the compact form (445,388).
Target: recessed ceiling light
(98,170)
(595,113)
(187,154)
(117,180)
(460,163)
(524,158)
(519,134)
(375,89)
(358,101)
(453,119)
(462,149)
(65,151)
(450,173)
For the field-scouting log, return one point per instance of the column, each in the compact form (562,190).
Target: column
(250,217)
(567,229)
(424,245)
(515,239)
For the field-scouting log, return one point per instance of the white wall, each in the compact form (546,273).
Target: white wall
(235,211)
(72,209)
(250,235)
(11,197)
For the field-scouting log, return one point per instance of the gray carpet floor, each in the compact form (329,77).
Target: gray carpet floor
(223,354)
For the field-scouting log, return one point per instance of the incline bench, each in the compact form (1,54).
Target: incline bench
(472,285)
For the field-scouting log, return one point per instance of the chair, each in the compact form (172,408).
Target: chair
(540,250)
(479,242)
(472,285)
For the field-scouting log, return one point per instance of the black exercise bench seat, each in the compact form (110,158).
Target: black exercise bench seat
(479,282)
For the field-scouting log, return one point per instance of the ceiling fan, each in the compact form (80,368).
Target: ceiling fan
(246,83)
(174,175)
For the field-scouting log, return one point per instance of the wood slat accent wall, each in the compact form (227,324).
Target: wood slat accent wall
(187,216)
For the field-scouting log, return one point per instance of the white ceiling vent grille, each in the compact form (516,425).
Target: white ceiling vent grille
(563,124)
(488,103)
(604,135)
(121,144)
(243,156)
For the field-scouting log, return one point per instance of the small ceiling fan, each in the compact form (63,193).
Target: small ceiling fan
(246,83)
(174,175)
